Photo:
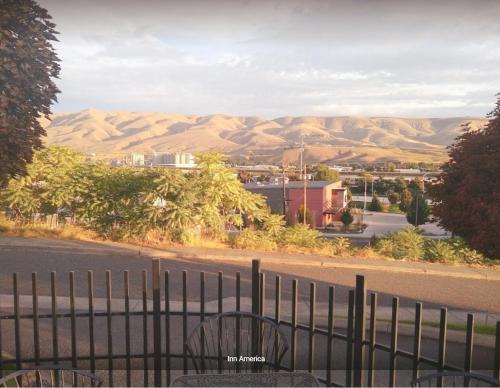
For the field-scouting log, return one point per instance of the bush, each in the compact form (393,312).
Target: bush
(302,236)
(404,244)
(375,205)
(251,239)
(393,197)
(346,217)
(340,245)
(438,250)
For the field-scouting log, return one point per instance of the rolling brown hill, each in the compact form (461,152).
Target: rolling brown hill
(339,139)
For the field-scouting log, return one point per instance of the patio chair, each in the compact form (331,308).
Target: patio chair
(224,343)
(51,376)
(455,379)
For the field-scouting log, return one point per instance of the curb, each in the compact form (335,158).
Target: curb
(317,263)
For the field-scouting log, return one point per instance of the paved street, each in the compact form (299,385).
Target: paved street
(42,256)
(379,223)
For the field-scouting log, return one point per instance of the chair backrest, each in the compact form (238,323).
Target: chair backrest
(455,379)
(51,376)
(236,342)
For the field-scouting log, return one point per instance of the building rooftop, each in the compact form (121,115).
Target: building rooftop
(289,185)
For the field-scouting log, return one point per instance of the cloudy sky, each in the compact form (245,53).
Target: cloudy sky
(275,58)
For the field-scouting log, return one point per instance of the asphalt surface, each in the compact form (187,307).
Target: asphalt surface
(25,256)
(43,256)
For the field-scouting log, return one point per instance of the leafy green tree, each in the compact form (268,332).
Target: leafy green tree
(300,216)
(399,185)
(406,199)
(466,199)
(393,197)
(29,65)
(375,205)
(416,184)
(346,218)
(49,187)
(418,212)
(324,173)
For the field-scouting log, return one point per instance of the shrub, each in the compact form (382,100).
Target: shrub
(404,244)
(393,197)
(252,239)
(346,218)
(375,205)
(438,250)
(302,236)
(340,245)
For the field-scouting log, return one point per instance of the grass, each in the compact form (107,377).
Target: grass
(394,208)
(478,328)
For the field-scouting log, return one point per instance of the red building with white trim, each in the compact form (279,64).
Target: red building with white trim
(325,200)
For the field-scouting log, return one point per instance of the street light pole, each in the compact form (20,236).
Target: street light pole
(416,209)
(304,217)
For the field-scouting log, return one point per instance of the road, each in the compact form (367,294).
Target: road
(42,256)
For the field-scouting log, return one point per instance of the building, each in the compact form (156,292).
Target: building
(324,199)
(179,159)
(136,159)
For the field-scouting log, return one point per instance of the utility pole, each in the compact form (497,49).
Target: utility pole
(304,215)
(416,209)
(364,205)
(284,190)
(301,155)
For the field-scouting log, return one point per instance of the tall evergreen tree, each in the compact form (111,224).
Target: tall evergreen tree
(28,65)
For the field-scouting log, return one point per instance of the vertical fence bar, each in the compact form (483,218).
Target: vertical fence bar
(36,326)
(255,308)
(359,331)
(156,322)
(238,321)
(55,340)
(312,325)
(469,344)
(373,338)
(109,327)
(262,308)
(417,337)
(167,326)
(277,318)
(126,294)
(238,291)
(219,332)
(184,322)
(349,341)
(329,343)
(442,343)
(496,361)
(293,348)
(394,342)
(73,318)
(17,321)
(90,285)
(1,352)
(202,318)
(145,356)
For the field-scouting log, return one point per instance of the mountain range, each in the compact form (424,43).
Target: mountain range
(335,139)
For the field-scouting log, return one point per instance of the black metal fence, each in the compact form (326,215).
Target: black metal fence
(150,338)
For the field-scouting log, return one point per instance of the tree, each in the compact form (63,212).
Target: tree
(324,173)
(375,205)
(399,185)
(418,212)
(406,198)
(393,197)
(416,184)
(466,198)
(300,216)
(346,218)
(29,65)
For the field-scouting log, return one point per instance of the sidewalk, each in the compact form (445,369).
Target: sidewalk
(228,304)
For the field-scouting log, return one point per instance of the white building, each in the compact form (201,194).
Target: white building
(182,159)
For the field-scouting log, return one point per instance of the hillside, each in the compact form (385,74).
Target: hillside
(339,139)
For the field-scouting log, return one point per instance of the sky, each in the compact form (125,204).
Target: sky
(279,58)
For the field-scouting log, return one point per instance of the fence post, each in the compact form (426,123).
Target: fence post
(359,331)
(255,310)
(156,322)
